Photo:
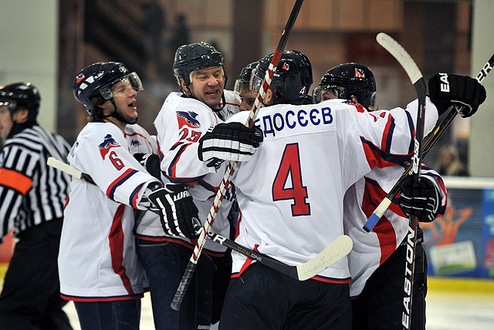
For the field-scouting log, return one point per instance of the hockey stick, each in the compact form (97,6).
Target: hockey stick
(437,133)
(418,81)
(334,252)
(53,162)
(225,182)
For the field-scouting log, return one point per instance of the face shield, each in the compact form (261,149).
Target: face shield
(131,78)
(7,103)
(241,86)
(323,93)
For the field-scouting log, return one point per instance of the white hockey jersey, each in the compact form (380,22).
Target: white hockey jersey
(97,259)
(291,192)
(179,125)
(371,249)
(148,225)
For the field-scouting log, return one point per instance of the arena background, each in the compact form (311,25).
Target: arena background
(47,42)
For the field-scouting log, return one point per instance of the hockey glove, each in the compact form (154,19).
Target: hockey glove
(420,199)
(229,141)
(447,89)
(151,162)
(178,213)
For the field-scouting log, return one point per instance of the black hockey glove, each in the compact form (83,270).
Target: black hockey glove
(229,141)
(151,163)
(178,213)
(446,89)
(420,199)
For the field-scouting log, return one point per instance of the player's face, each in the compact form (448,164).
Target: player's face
(125,100)
(248,97)
(207,85)
(329,94)
(6,122)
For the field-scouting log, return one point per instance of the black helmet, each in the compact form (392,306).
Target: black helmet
(22,94)
(244,77)
(291,80)
(195,56)
(98,78)
(349,79)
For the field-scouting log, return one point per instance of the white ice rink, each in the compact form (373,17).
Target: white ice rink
(448,308)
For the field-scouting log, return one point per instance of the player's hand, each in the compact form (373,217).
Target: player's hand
(229,141)
(178,213)
(151,162)
(419,199)
(446,89)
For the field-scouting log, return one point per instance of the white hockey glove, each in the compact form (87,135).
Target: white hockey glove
(421,200)
(229,141)
(177,210)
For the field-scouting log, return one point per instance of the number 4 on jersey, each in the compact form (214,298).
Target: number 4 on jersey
(289,171)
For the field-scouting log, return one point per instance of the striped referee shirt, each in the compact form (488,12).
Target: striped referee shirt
(31,192)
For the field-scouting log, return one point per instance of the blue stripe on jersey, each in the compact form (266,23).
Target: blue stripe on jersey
(383,159)
(390,128)
(172,168)
(110,192)
(135,194)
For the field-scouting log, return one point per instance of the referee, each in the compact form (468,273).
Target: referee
(32,198)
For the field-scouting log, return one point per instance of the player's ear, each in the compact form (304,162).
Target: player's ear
(184,87)
(21,115)
(268,99)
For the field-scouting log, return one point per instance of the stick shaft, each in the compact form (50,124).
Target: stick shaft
(186,278)
(437,133)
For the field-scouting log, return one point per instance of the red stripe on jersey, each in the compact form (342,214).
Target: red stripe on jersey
(116,238)
(134,196)
(122,178)
(373,195)
(247,264)
(101,299)
(387,134)
(380,159)
(172,169)
(331,280)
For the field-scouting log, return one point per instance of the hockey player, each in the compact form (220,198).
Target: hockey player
(242,87)
(187,128)
(377,260)
(32,197)
(98,265)
(291,193)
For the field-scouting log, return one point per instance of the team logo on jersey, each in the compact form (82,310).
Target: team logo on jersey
(359,73)
(135,143)
(187,118)
(107,144)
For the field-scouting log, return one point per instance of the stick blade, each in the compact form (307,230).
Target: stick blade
(333,253)
(401,55)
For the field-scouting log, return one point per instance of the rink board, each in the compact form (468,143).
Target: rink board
(461,242)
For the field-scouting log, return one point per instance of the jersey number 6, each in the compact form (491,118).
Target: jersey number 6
(290,171)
